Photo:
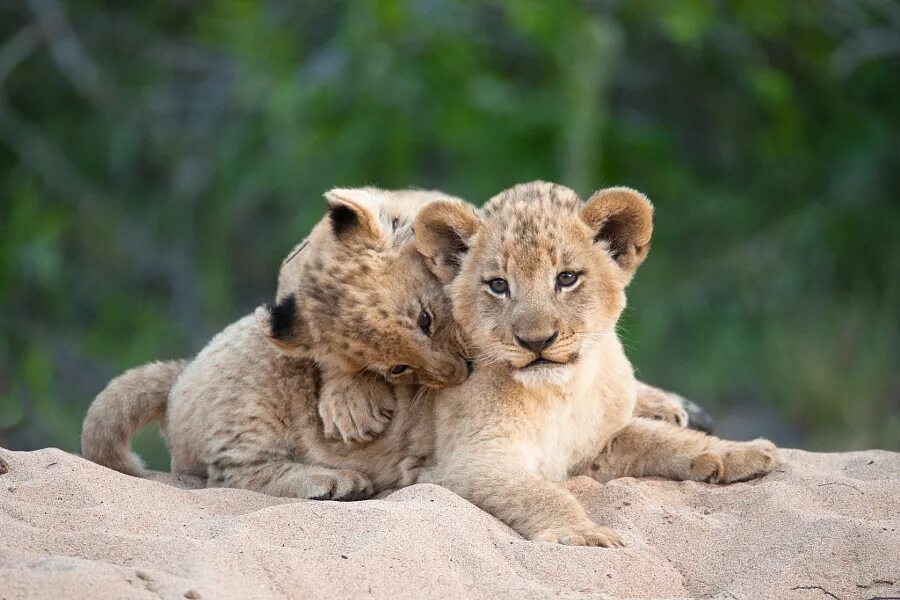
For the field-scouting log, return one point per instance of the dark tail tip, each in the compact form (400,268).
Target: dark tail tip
(698,418)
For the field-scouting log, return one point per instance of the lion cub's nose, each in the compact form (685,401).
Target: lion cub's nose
(539,344)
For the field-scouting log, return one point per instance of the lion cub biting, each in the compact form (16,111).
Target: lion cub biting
(358,313)
(537,281)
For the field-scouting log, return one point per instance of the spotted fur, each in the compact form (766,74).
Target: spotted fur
(248,410)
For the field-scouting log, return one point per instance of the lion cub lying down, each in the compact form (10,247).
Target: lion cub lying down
(359,325)
(537,283)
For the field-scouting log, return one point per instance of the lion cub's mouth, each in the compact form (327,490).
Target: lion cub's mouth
(546,362)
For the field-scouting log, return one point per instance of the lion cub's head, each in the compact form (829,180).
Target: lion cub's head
(357,296)
(536,277)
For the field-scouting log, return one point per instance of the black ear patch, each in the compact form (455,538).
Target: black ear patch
(283,316)
(456,246)
(613,232)
(342,219)
(459,249)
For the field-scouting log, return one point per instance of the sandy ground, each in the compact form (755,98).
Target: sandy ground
(822,526)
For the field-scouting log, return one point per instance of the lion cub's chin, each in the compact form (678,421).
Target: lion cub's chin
(541,376)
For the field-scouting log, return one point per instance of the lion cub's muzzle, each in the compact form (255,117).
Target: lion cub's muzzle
(451,373)
(544,350)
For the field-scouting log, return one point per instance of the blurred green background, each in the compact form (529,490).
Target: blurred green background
(158,159)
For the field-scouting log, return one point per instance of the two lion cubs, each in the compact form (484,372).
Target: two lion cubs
(380,316)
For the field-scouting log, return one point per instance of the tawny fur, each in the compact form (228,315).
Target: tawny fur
(654,403)
(262,405)
(507,436)
(130,401)
(360,297)
(245,415)
(246,412)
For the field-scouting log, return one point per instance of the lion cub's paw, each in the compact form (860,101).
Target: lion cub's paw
(708,468)
(356,413)
(669,411)
(584,535)
(656,404)
(410,467)
(336,485)
(742,461)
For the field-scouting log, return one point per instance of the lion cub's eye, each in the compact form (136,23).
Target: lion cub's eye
(425,322)
(399,369)
(498,286)
(566,279)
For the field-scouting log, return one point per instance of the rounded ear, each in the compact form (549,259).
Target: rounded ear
(443,231)
(354,216)
(282,325)
(622,218)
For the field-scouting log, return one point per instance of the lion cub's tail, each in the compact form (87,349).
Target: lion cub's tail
(129,402)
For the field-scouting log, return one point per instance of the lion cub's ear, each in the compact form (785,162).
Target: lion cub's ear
(623,219)
(283,326)
(354,217)
(443,231)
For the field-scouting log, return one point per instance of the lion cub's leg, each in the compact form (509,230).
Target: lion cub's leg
(539,509)
(267,472)
(354,408)
(647,447)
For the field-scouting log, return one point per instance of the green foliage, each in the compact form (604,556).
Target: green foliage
(157,161)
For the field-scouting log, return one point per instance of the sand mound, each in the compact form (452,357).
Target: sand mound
(821,526)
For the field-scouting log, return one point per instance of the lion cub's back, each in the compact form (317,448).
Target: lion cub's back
(238,384)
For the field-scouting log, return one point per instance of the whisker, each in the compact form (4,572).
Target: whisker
(420,393)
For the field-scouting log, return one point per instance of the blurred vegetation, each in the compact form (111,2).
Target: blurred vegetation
(158,159)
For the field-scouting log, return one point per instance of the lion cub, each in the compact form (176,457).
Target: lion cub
(358,313)
(537,281)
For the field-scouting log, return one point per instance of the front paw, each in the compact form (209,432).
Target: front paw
(729,462)
(337,485)
(580,535)
(410,468)
(356,415)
